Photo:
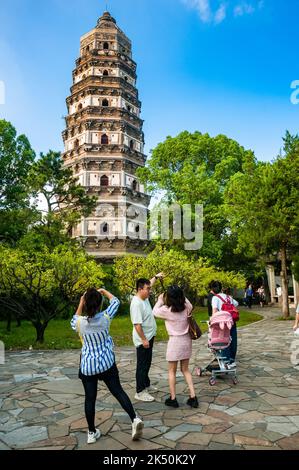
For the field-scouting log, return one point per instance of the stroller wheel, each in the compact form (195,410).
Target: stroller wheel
(212,381)
(235,381)
(198,371)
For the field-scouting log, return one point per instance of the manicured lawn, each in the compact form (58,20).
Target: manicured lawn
(59,334)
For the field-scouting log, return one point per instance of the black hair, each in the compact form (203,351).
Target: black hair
(216,287)
(175,298)
(141,283)
(93,301)
(227,291)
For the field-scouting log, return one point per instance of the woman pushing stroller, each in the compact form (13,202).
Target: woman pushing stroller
(223,301)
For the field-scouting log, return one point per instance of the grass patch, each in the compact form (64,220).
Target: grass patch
(59,334)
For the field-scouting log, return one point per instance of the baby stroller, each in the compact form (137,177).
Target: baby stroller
(219,339)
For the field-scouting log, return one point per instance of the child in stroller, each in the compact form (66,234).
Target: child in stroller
(219,339)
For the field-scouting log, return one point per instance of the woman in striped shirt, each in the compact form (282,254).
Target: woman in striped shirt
(98,359)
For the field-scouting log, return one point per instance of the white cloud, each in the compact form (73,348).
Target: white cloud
(244,9)
(220,14)
(203,8)
(216,11)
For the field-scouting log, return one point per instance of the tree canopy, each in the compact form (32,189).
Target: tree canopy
(195,169)
(262,206)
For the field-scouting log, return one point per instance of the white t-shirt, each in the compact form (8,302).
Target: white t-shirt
(279,291)
(142,313)
(217,303)
(297,309)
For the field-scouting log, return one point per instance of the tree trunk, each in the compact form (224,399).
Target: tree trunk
(8,325)
(267,289)
(18,321)
(284,283)
(40,331)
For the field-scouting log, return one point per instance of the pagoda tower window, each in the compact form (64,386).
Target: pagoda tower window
(132,144)
(106,46)
(134,185)
(104,228)
(105,73)
(76,144)
(105,102)
(104,139)
(80,106)
(104,180)
(137,229)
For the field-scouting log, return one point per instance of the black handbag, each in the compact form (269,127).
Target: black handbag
(194,330)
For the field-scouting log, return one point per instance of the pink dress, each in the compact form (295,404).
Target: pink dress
(180,344)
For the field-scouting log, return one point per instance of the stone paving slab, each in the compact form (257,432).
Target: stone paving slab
(42,400)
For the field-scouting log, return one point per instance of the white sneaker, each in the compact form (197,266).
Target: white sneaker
(137,429)
(93,436)
(144,396)
(151,388)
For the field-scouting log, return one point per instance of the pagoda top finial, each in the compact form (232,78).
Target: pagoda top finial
(106,17)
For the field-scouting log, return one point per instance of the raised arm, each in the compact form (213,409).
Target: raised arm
(79,311)
(114,303)
(189,306)
(160,310)
(154,279)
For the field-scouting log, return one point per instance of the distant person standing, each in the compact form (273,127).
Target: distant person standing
(278,293)
(262,296)
(144,332)
(249,296)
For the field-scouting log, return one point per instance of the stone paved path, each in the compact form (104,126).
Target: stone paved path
(41,400)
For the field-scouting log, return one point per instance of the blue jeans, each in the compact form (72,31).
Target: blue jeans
(231,352)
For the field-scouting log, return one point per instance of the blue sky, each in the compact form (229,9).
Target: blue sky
(217,66)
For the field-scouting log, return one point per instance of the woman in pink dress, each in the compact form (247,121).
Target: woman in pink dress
(174,308)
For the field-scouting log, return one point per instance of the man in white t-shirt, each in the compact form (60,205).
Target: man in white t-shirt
(144,332)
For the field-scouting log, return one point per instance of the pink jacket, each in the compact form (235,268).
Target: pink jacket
(176,322)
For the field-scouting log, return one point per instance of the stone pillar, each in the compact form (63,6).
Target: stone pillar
(271,281)
(123,179)
(296,291)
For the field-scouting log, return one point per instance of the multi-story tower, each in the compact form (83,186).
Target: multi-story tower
(104,142)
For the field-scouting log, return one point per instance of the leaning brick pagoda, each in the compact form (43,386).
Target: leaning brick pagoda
(104,142)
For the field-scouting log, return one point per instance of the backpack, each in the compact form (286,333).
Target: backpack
(228,306)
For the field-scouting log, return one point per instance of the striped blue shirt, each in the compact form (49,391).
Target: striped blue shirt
(97,351)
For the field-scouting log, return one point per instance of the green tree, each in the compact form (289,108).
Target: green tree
(195,169)
(194,276)
(42,285)
(262,206)
(295,268)
(65,200)
(16,158)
